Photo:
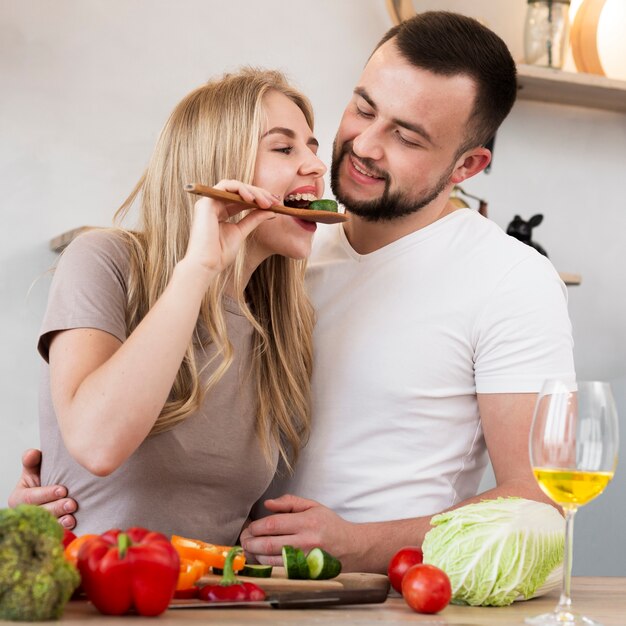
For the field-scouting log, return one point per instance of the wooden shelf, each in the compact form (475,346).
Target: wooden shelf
(570,279)
(59,243)
(586,90)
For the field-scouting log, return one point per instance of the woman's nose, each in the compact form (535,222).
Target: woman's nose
(314,165)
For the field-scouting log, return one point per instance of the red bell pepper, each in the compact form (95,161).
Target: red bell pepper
(135,569)
(230,589)
(68,537)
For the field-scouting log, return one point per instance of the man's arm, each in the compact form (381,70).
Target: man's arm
(368,547)
(52,497)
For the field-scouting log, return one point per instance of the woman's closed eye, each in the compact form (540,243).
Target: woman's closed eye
(284,149)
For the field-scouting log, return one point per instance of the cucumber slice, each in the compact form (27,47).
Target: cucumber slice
(303,565)
(295,563)
(257,571)
(324,205)
(322,565)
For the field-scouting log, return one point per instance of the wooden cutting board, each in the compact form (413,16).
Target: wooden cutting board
(279,582)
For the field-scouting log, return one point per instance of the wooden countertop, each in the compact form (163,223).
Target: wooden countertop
(601,598)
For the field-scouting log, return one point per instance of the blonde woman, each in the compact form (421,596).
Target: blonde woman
(179,355)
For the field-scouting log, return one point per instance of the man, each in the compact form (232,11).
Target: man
(435,329)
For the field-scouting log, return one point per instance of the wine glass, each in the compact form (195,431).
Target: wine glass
(573,453)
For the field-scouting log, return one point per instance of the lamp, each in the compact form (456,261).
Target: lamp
(400,10)
(597,41)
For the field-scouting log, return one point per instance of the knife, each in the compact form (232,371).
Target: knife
(294,600)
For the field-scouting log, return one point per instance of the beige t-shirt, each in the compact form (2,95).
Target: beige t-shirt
(199,479)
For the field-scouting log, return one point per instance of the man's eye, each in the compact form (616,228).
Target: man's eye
(285,150)
(362,113)
(406,142)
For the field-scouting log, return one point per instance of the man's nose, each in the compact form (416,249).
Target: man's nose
(367,144)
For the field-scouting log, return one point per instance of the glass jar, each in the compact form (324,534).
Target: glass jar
(546,32)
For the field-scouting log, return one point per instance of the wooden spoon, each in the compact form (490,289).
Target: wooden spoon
(310,215)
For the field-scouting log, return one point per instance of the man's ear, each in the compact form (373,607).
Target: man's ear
(470,163)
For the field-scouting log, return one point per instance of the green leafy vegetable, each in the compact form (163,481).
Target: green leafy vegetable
(324,205)
(36,581)
(497,551)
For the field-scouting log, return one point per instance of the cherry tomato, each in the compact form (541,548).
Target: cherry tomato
(400,562)
(426,588)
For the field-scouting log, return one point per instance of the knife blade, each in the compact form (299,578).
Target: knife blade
(294,600)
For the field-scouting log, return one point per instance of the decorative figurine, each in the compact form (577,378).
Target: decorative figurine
(522,230)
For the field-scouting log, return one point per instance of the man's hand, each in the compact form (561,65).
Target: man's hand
(304,524)
(52,497)
(368,546)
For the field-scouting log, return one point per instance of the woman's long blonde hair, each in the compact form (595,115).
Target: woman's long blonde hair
(213,134)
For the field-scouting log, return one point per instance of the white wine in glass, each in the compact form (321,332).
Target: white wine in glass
(573,452)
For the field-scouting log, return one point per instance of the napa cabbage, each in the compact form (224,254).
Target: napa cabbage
(498,551)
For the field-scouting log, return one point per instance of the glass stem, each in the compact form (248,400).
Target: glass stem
(565,601)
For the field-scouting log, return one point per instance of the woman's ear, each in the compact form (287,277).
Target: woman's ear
(470,163)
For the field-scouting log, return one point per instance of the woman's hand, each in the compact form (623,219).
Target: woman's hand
(214,241)
(52,497)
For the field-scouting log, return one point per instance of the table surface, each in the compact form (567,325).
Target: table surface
(604,599)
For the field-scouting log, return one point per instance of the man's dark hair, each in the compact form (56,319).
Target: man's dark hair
(451,44)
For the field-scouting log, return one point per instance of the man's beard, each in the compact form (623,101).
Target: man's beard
(390,205)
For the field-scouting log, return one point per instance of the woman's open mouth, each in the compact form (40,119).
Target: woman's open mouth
(299,200)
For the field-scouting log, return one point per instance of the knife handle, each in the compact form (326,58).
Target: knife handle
(320,599)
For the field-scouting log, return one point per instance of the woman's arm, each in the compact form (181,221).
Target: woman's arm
(107,395)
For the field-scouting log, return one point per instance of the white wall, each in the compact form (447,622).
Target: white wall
(85,85)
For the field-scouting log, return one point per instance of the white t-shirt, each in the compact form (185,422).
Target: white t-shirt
(406,336)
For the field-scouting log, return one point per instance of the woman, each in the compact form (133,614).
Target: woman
(180,355)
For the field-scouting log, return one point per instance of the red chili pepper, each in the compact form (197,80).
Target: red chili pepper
(132,569)
(230,589)
(189,593)
(254,593)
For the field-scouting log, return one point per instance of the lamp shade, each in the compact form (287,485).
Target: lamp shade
(611,39)
(597,41)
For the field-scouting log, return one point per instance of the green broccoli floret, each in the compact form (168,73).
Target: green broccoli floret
(36,581)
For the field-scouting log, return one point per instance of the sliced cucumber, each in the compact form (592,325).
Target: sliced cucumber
(303,565)
(324,205)
(295,563)
(322,565)
(257,571)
